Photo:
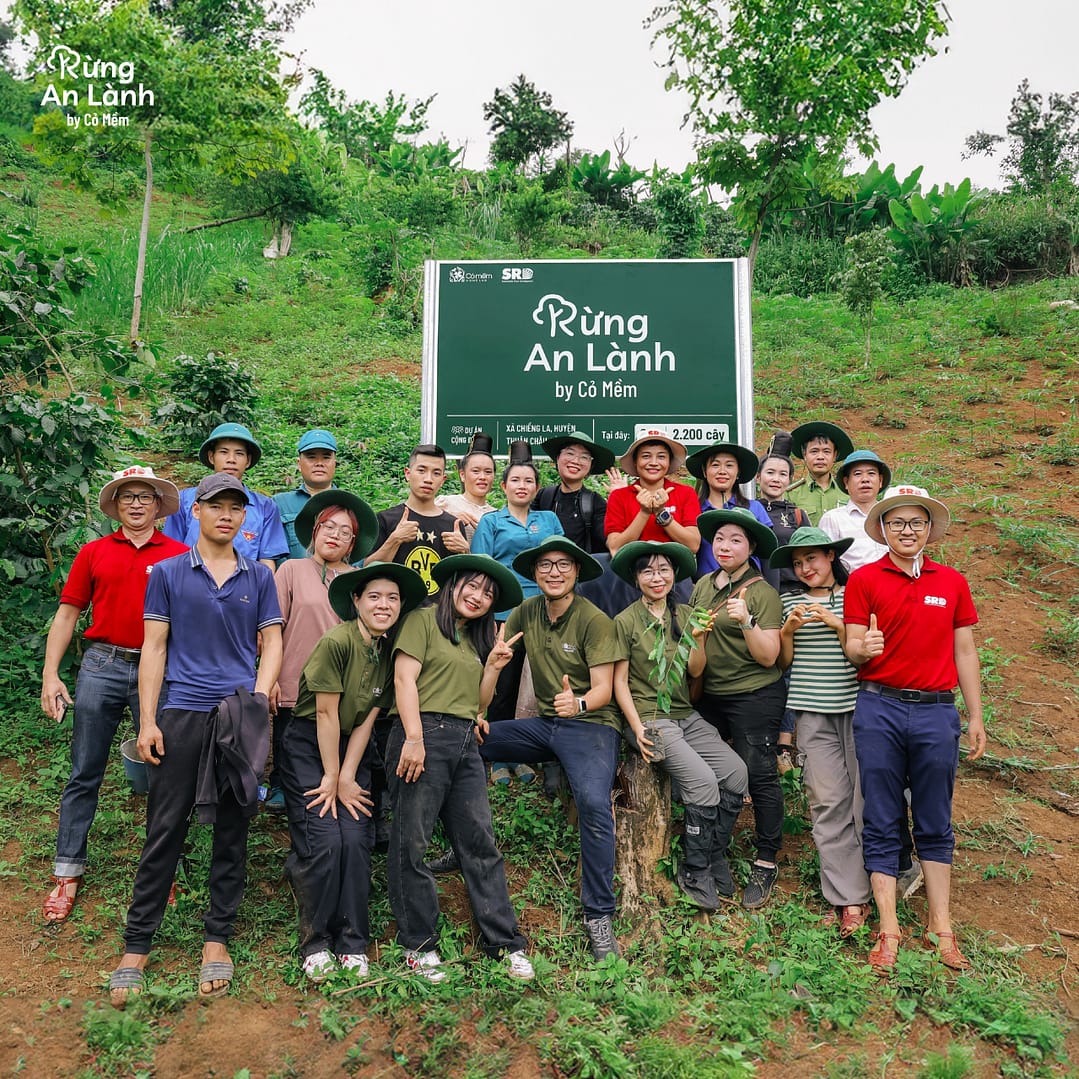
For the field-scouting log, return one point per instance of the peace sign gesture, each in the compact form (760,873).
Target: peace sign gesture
(502,650)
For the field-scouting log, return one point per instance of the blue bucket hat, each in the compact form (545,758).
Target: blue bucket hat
(863,457)
(316,439)
(235,431)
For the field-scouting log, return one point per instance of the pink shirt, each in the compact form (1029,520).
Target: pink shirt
(305,607)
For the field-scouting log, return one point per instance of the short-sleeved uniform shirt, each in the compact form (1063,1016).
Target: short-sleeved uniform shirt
(260,536)
(918,617)
(808,495)
(304,599)
(635,632)
(503,537)
(822,678)
(582,638)
(111,574)
(426,550)
(213,632)
(450,674)
(623,507)
(729,666)
(343,662)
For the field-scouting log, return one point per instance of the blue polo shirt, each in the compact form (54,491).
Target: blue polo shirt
(213,632)
(260,536)
(503,537)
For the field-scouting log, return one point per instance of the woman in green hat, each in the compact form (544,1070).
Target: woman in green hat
(325,766)
(822,694)
(744,693)
(711,777)
(336,528)
(446,663)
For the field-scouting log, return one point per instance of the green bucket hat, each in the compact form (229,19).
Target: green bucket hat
(509,588)
(588,569)
(235,431)
(805,538)
(365,519)
(764,539)
(680,556)
(863,457)
(820,429)
(346,585)
(602,458)
(748,463)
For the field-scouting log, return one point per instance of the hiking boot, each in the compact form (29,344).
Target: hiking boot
(694,875)
(601,937)
(426,964)
(519,967)
(909,880)
(698,886)
(444,863)
(730,805)
(762,879)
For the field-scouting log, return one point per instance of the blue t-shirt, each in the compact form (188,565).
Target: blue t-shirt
(503,537)
(260,536)
(289,504)
(706,560)
(213,632)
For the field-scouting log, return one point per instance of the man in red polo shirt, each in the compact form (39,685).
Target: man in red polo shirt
(909,631)
(110,576)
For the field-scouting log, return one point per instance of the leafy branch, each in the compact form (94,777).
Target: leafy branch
(671,662)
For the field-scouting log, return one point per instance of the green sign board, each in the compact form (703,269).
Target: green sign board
(611,348)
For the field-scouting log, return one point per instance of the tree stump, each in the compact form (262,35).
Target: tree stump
(642,815)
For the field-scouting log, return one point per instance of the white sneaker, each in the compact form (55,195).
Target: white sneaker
(356,963)
(520,967)
(319,966)
(427,964)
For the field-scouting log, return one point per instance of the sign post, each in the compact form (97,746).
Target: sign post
(528,350)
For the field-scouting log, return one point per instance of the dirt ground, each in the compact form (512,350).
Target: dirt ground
(265,1026)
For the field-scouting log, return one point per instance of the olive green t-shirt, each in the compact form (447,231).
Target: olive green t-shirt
(729,666)
(635,631)
(582,638)
(343,662)
(450,674)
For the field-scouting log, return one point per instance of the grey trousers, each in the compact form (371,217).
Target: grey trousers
(698,760)
(835,804)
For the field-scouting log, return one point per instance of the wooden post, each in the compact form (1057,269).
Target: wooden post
(642,815)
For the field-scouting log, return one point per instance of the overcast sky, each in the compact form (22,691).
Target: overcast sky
(593,56)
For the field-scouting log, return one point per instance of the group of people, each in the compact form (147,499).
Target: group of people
(396,655)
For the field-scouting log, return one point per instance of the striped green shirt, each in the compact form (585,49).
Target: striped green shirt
(822,678)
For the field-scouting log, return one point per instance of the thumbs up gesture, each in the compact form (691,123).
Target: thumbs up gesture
(407,529)
(565,703)
(454,540)
(737,611)
(873,642)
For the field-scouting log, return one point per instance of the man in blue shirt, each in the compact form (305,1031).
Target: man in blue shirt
(232,449)
(317,462)
(204,614)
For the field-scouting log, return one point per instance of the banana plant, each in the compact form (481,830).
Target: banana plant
(937,229)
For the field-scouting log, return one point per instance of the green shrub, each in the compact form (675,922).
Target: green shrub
(1020,236)
(679,219)
(203,393)
(797,266)
(722,239)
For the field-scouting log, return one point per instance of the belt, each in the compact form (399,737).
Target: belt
(912,696)
(445,715)
(131,655)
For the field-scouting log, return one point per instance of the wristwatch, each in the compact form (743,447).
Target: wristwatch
(664,517)
(750,624)
(582,705)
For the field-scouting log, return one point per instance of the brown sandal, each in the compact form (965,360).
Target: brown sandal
(58,903)
(883,958)
(948,950)
(851,919)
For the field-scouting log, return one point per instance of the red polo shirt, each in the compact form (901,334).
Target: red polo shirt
(623,506)
(918,617)
(110,574)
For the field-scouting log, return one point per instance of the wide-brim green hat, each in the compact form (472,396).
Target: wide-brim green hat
(235,431)
(679,555)
(509,588)
(863,457)
(820,429)
(346,585)
(748,462)
(602,458)
(806,538)
(588,569)
(764,539)
(367,522)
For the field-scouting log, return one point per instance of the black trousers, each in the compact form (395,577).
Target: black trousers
(168,816)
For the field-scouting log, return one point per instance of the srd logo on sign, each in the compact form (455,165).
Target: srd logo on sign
(511,274)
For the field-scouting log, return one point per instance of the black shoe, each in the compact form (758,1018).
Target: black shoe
(601,937)
(698,886)
(446,863)
(762,880)
(721,874)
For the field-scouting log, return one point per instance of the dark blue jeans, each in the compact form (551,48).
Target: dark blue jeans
(329,865)
(106,686)
(588,753)
(452,788)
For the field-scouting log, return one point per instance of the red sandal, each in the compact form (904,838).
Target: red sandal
(59,902)
(948,950)
(851,919)
(883,957)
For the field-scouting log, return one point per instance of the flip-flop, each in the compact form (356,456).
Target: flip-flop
(58,904)
(128,979)
(217,971)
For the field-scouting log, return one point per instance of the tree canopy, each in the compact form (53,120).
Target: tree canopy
(524,123)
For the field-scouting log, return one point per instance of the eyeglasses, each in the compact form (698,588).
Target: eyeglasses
(337,531)
(143,498)
(569,455)
(562,565)
(917,526)
(656,571)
